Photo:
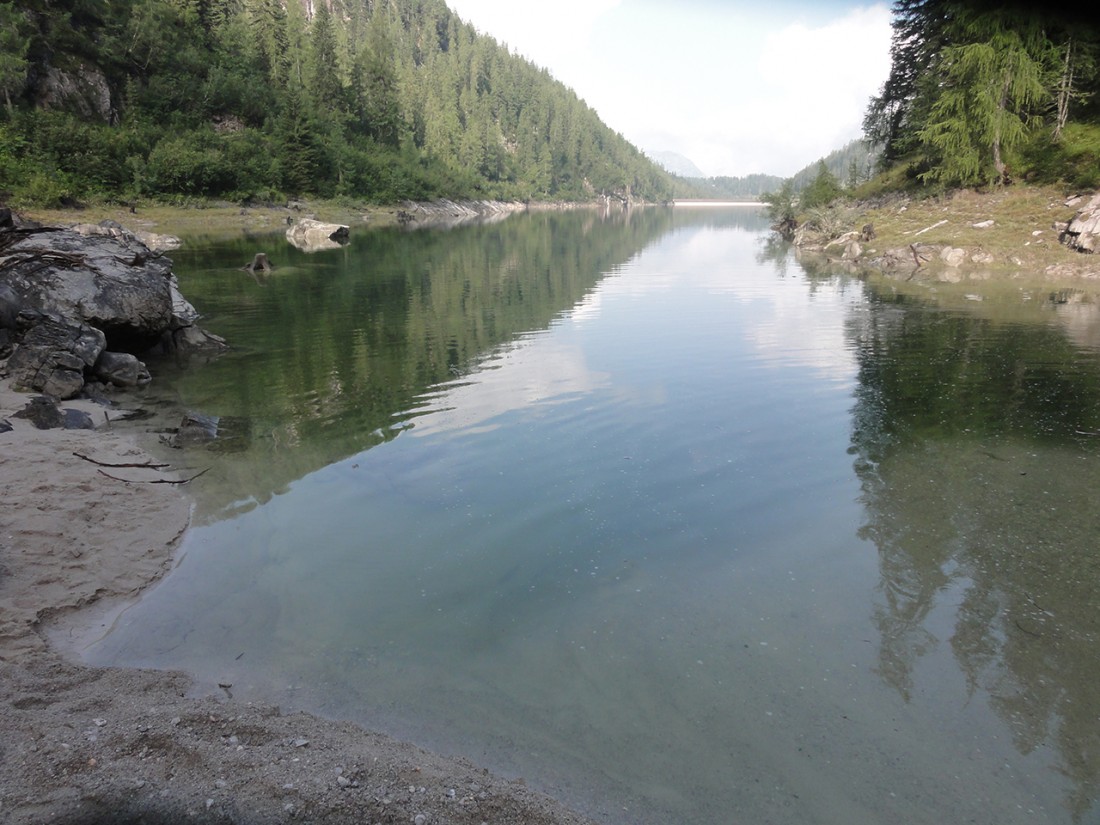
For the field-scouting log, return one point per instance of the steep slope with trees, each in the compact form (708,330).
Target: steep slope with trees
(379,100)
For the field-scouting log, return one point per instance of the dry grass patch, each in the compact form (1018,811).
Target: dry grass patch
(1022,235)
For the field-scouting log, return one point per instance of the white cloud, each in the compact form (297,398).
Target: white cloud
(737,87)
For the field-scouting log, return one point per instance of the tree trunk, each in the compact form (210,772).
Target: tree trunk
(1065,91)
(1002,106)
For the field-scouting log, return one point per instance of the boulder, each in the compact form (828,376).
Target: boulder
(66,295)
(121,369)
(110,281)
(311,236)
(952,255)
(1083,231)
(53,355)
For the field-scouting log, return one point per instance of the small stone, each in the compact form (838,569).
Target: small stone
(221,783)
(233,740)
(420,819)
(176,720)
(301,743)
(343,781)
(209,803)
(100,722)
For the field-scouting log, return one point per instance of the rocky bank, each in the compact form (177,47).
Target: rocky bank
(1023,233)
(88,521)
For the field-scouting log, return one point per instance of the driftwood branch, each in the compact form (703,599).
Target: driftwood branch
(44,257)
(149,464)
(155,480)
(12,235)
(933,226)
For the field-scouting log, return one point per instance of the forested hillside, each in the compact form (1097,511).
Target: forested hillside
(985,93)
(378,100)
(749,187)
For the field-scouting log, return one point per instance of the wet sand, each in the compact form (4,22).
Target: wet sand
(86,524)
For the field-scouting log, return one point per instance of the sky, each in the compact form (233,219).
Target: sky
(737,87)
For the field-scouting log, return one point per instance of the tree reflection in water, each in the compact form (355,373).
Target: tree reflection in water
(978,482)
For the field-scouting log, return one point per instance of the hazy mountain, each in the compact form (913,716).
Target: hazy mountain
(676,164)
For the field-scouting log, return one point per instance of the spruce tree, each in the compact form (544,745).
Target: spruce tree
(991,90)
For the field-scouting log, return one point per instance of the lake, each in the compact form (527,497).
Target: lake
(650,512)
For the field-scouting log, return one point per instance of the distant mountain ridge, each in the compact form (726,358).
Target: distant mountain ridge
(676,164)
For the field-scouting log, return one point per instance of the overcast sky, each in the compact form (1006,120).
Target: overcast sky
(737,87)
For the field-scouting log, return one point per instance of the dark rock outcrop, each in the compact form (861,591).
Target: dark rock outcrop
(43,411)
(54,354)
(68,296)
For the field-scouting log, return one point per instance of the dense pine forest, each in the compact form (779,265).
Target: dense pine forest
(257,100)
(984,93)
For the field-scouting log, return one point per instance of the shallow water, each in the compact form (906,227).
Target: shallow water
(653,515)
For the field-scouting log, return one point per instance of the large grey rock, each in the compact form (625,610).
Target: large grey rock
(1083,232)
(110,281)
(311,236)
(89,285)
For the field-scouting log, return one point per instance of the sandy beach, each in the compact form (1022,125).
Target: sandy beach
(89,520)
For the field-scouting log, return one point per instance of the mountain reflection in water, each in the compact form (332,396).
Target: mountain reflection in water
(653,513)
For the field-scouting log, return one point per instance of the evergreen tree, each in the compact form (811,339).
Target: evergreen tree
(324,84)
(920,32)
(991,90)
(376,85)
(822,191)
(14,45)
(371,98)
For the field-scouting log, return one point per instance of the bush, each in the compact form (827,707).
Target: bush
(192,164)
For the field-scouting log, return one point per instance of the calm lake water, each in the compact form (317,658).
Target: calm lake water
(650,513)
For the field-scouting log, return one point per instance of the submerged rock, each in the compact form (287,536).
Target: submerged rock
(194,429)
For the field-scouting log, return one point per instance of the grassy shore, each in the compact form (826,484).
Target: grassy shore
(1022,239)
(1021,243)
(217,220)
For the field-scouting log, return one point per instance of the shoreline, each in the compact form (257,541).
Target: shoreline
(81,536)
(1009,235)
